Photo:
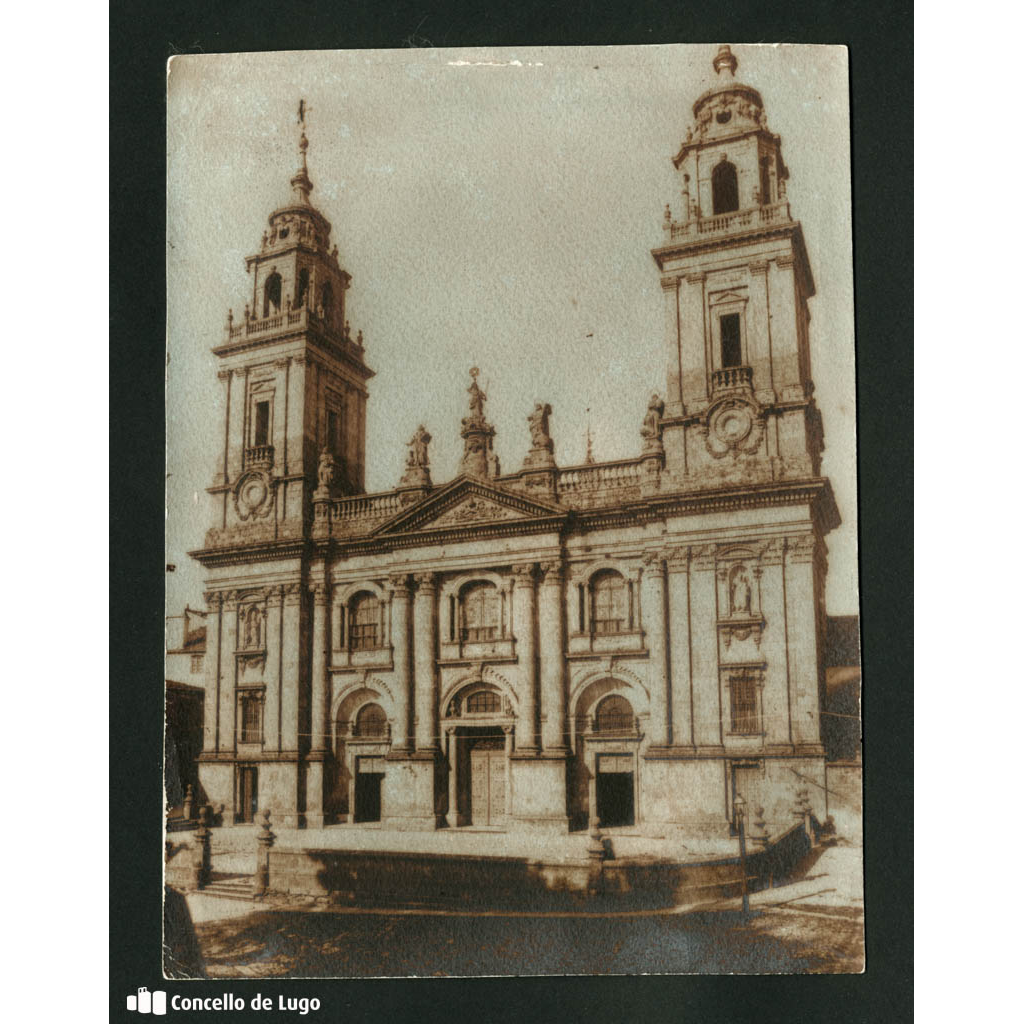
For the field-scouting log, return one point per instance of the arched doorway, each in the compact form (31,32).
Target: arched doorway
(478,728)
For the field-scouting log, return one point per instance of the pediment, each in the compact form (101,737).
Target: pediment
(468,502)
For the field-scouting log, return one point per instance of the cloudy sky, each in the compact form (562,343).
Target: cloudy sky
(495,208)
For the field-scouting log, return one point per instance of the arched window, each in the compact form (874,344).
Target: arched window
(725,190)
(327,301)
(364,629)
(371,721)
(483,702)
(272,294)
(610,603)
(614,714)
(481,612)
(300,293)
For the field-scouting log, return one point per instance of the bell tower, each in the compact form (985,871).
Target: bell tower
(294,378)
(736,281)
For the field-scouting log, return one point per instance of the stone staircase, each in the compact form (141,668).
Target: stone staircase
(229,886)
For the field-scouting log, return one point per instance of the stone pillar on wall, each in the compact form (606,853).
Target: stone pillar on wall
(318,671)
(212,679)
(551,615)
(785,352)
(280,436)
(692,340)
(524,618)
(228,671)
(315,767)
(670,292)
(272,672)
(290,640)
(236,424)
(759,332)
(680,684)
(652,604)
(802,639)
(401,737)
(425,645)
(707,694)
(220,475)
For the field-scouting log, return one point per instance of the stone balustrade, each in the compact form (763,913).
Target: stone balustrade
(262,454)
(732,377)
(289,320)
(605,476)
(727,223)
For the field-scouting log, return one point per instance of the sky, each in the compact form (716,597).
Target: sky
(495,208)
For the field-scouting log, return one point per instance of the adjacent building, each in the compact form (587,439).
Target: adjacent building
(637,641)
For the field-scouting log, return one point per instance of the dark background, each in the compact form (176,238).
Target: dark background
(142,37)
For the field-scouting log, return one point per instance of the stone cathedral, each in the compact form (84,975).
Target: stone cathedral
(635,642)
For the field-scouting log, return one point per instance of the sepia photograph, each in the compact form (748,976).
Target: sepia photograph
(512,613)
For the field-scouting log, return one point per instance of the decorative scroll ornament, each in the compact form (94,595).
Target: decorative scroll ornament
(733,426)
(253,494)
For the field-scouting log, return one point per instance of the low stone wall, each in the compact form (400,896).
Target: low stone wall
(444,880)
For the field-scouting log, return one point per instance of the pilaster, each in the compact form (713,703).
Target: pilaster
(228,671)
(291,619)
(400,600)
(759,332)
(802,640)
(425,667)
(552,658)
(272,672)
(524,616)
(211,700)
(674,398)
(652,603)
(707,694)
(236,424)
(680,681)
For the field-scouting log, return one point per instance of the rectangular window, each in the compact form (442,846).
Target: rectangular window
(333,432)
(766,182)
(743,691)
(729,324)
(197,663)
(251,720)
(261,426)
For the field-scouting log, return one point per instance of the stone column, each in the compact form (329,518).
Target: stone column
(272,672)
(425,644)
(680,683)
(655,625)
(707,695)
(525,628)
(401,735)
(221,472)
(318,682)
(211,700)
(551,614)
(785,346)
(228,662)
(280,435)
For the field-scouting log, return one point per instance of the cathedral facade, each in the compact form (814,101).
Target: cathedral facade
(637,642)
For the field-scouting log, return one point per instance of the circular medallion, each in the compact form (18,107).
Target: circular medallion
(733,425)
(253,496)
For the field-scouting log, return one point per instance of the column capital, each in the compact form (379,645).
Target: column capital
(508,729)
(274,596)
(678,558)
(223,375)
(240,371)
(758,266)
(697,278)
(552,573)
(213,599)
(702,556)
(230,599)
(784,260)
(426,582)
(524,572)
(282,364)
(320,592)
(800,549)
(670,283)
(398,584)
(772,552)
(654,561)
(292,592)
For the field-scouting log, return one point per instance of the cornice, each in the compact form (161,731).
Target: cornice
(310,335)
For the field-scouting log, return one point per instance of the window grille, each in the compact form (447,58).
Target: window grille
(743,690)
(614,714)
(481,613)
(611,604)
(483,702)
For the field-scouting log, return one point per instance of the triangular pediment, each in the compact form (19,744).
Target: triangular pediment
(469,503)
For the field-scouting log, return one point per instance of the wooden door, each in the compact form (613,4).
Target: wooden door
(247,794)
(487,782)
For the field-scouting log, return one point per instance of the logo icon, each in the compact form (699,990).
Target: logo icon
(148,1002)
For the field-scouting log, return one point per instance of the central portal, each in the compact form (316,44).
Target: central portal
(487,781)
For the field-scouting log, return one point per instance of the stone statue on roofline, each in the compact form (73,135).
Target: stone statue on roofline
(538,421)
(417,461)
